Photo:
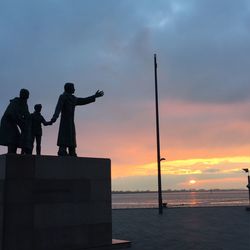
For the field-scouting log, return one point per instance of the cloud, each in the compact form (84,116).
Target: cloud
(211,170)
(203,73)
(202,47)
(209,173)
(204,57)
(134,183)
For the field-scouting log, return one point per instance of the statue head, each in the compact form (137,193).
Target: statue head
(69,88)
(24,94)
(38,107)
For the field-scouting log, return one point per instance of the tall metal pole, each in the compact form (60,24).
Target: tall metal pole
(248,186)
(158,138)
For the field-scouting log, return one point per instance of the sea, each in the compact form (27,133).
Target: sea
(181,199)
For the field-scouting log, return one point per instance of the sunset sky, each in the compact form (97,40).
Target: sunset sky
(203,56)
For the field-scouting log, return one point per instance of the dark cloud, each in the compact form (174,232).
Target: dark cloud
(205,54)
(202,46)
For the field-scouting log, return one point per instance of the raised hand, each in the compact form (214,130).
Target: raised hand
(99,93)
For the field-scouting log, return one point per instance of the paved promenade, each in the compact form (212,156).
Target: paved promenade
(215,228)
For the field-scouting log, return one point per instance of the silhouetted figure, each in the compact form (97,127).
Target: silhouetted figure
(66,106)
(37,120)
(15,128)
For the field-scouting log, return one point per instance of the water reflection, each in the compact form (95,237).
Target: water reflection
(178,199)
(193,197)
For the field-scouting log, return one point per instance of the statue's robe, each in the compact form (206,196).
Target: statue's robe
(66,106)
(16,124)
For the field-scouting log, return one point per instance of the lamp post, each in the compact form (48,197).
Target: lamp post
(248,186)
(159,159)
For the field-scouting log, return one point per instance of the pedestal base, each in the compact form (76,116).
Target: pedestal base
(54,203)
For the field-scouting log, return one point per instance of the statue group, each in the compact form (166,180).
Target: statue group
(20,129)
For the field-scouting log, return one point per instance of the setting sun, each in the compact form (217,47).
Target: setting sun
(192,182)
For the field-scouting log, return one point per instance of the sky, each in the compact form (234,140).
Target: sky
(202,49)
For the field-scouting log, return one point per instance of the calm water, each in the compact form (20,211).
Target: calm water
(178,199)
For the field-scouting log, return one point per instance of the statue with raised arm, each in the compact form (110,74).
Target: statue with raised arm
(15,128)
(66,107)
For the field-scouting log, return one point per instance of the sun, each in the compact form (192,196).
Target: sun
(192,182)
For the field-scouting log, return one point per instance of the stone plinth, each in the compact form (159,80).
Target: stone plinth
(50,202)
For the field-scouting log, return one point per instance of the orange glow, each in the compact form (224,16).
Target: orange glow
(223,165)
(192,182)
(207,143)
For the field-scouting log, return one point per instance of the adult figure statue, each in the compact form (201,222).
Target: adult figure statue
(15,128)
(66,106)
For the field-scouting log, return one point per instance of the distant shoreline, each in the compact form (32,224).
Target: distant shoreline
(176,191)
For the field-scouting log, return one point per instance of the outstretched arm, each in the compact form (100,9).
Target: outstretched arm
(87,100)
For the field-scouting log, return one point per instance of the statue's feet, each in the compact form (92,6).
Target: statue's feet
(72,151)
(72,154)
(62,152)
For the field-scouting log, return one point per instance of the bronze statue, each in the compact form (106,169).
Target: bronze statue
(36,129)
(66,106)
(15,128)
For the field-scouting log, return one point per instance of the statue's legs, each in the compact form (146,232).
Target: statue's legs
(26,151)
(38,144)
(62,151)
(72,151)
(33,141)
(12,149)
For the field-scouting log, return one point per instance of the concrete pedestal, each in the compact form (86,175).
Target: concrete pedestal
(57,203)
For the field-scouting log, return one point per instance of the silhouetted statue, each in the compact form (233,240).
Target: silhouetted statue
(36,129)
(15,128)
(66,106)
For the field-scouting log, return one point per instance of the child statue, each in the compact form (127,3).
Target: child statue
(36,129)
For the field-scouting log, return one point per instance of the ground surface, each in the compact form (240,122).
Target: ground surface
(215,228)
